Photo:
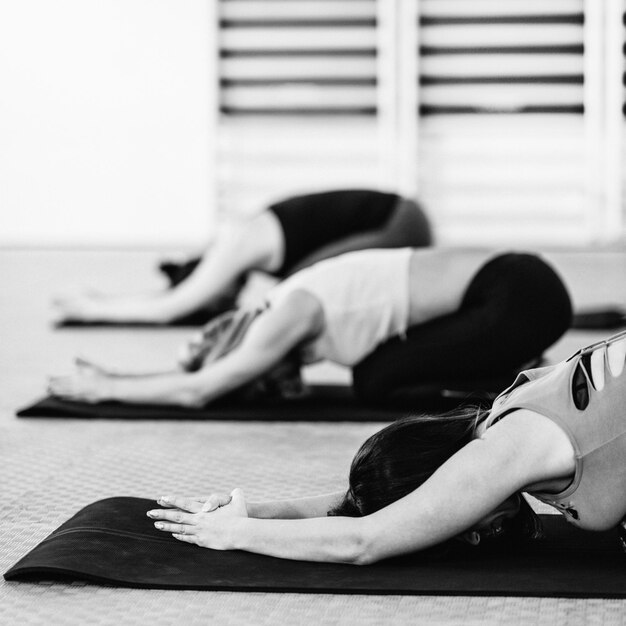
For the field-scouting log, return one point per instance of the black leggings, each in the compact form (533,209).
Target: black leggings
(514,308)
(319,226)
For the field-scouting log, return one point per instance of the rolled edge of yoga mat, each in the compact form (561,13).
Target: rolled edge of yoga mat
(112,542)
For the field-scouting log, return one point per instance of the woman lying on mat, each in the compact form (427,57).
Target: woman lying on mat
(399,318)
(558,433)
(282,239)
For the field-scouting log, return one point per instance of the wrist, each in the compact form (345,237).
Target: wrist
(239,532)
(255,509)
(108,388)
(262,510)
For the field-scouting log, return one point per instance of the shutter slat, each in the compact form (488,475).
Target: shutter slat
(307,95)
(503,95)
(289,10)
(260,39)
(503,65)
(500,7)
(501,35)
(289,68)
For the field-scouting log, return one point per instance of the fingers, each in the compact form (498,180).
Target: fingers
(214,501)
(179,529)
(616,355)
(61,386)
(85,366)
(54,385)
(182,520)
(597,368)
(186,538)
(192,505)
(87,385)
(195,504)
(82,363)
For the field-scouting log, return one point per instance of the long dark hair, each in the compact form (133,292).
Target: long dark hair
(397,459)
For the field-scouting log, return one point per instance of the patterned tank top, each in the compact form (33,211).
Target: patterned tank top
(595,422)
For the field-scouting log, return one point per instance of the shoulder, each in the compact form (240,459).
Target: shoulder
(538,447)
(301,308)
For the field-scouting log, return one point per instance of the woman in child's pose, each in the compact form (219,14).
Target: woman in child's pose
(399,318)
(280,240)
(558,433)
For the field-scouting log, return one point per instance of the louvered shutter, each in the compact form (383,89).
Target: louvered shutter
(299,98)
(503,139)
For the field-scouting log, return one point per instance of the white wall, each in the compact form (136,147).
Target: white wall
(104,122)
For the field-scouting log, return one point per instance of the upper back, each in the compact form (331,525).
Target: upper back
(595,422)
(364,297)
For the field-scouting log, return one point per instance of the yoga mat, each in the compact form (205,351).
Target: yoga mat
(112,542)
(600,319)
(198,318)
(324,403)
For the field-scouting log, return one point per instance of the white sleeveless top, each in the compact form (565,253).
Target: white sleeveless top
(365,299)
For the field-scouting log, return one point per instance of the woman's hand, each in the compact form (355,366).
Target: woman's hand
(609,358)
(89,383)
(208,524)
(195,504)
(83,306)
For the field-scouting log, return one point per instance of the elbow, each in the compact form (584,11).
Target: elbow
(365,559)
(192,396)
(190,400)
(362,545)
(193,401)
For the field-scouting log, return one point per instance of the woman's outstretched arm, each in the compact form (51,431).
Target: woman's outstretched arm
(523,449)
(240,245)
(270,338)
(292,508)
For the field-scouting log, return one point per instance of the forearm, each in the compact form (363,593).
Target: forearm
(174,388)
(298,508)
(325,539)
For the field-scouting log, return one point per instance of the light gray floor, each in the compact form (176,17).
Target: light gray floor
(51,468)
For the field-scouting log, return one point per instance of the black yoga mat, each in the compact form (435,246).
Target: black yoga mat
(600,319)
(325,403)
(112,542)
(322,403)
(198,318)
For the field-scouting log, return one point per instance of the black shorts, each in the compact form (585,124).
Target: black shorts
(312,221)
